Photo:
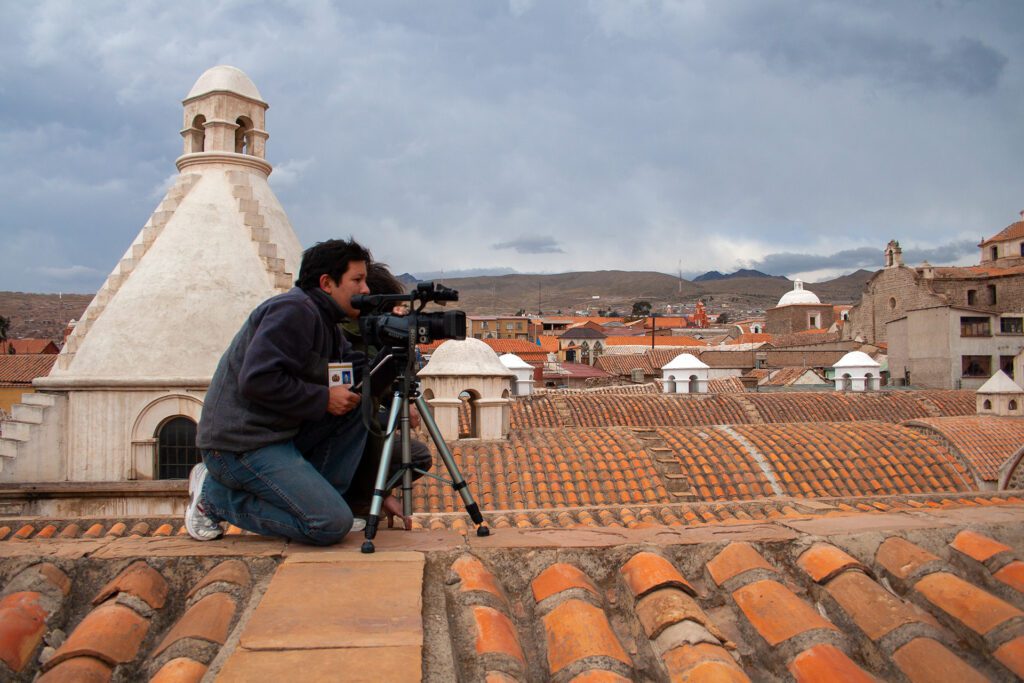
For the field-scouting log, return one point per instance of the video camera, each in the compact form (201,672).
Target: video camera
(382,328)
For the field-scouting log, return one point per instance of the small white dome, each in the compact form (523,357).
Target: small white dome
(685,361)
(799,295)
(465,358)
(514,362)
(223,77)
(1000,383)
(856,359)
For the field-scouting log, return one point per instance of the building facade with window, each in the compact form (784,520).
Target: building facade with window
(995,285)
(954,347)
(497,327)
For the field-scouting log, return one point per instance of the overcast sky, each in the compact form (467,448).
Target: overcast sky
(536,136)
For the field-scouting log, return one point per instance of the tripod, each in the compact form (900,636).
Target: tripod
(406,391)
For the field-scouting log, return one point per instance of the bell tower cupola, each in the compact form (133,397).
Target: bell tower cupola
(225,118)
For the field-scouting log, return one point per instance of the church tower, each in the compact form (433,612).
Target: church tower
(143,354)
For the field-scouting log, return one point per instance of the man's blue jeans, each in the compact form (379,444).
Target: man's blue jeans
(293,488)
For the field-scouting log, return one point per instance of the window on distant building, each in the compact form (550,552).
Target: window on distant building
(1022,248)
(510,326)
(972,297)
(975,326)
(892,303)
(176,448)
(995,252)
(1011,325)
(483,324)
(976,366)
(812,322)
(992,294)
(1006,365)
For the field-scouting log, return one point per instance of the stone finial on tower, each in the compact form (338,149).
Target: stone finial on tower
(224,117)
(893,255)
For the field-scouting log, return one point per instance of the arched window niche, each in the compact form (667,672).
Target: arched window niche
(149,427)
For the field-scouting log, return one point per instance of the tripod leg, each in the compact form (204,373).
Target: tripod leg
(458,483)
(377,502)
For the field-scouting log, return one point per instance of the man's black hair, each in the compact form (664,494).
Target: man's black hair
(331,258)
(380,280)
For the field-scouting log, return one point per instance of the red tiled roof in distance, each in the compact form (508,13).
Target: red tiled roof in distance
(1014,231)
(659,340)
(986,441)
(22,369)
(752,338)
(29,346)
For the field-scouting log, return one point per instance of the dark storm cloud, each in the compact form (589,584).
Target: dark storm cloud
(532,245)
(659,135)
(868,258)
(831,42)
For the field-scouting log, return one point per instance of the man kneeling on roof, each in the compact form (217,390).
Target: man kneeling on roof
(280,446)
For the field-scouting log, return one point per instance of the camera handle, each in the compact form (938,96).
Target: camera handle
(406,393)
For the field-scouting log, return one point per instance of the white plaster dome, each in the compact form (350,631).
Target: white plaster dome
(799,295)
(514,362)
(465,358)
(856,359)
(685,361)
(225,78)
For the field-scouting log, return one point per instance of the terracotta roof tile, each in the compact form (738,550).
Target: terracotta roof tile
(576,630)
(599,676)
(823,562)
(985,441)
(561,577)
(495,634)
(78,670)
(776,612)
(1013,231)
(22,369)
(703,662)
(1012,575)
(474,576)
(876,611)
(180,670)
(903,559)
(826,663)
(1011,655)
(229,571)
(977,546)
(140,580)
(646,572)
(735,559)
(112,633)
(208,620)
(925,659)
(22,625)
(978,610)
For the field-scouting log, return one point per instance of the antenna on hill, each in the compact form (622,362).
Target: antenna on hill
(680,276)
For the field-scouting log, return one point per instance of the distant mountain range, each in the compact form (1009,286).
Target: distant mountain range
(743,293)
(743,272)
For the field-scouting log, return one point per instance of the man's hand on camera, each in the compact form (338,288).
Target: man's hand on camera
(341,400)
(393,508)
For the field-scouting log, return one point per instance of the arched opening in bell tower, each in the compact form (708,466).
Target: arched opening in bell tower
(243,135)
(197,134)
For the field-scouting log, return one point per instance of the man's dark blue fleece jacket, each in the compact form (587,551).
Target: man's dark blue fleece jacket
(273,376)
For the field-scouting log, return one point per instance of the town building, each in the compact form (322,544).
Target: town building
(996,285)
(497,327)
(953,347)
(799,310)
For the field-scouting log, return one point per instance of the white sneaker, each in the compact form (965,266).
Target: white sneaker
(358,524)
(198,523)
